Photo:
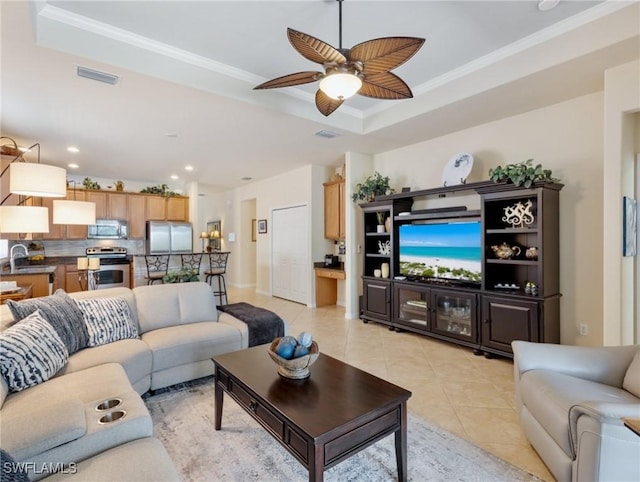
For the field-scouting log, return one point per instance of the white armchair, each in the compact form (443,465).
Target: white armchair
(570,400)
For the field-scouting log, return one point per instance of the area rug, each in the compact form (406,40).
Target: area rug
(183,419)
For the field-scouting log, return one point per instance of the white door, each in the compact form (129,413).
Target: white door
(290,254)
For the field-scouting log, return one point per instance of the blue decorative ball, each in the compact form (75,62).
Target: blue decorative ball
(300,351)
(288,340)
(305,339)
(285,350)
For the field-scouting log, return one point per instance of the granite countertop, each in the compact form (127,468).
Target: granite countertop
(29,270)
(338,267)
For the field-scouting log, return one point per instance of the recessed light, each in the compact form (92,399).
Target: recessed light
(73,149)
(188,168)
(545,5)
(174,177)
(73,165)
(171,135)
(246,178)
(327,134)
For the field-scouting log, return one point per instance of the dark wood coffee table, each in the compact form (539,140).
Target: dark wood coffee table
(322,420)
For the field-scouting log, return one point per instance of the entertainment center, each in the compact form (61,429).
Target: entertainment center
(480,278)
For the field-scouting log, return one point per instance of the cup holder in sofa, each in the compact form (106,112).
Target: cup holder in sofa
(112,416)
(108,404)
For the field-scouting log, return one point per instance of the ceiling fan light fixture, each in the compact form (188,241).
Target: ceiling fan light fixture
(340,85)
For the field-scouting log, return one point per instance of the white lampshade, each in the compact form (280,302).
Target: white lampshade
(74,212)
(24,219)
(340,85)
(31,179)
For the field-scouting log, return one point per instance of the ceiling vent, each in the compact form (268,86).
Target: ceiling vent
(97,75)
(327,134)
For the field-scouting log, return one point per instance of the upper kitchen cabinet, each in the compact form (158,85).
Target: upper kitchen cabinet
(108,205)
(62,231)
(334,226)
(137,205)
(174,208)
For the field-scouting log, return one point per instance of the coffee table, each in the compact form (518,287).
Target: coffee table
(321,420)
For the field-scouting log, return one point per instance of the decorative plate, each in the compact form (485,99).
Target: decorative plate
(457,169)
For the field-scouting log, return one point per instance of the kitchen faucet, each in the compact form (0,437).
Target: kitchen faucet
(12,255)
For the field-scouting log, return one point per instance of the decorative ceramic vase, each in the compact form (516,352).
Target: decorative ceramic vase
(387,225)
(380,228)
(384,270)
(531,253)
(377,273)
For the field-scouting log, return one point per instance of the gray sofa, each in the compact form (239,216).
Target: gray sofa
(57,421)
(570,401)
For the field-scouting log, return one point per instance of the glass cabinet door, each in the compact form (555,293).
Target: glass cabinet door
(412,307)
(454,314)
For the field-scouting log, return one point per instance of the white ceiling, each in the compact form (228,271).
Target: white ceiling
(187,71)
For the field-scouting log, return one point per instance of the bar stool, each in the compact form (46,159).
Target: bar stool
(191,261)
(157,267)
(217,269)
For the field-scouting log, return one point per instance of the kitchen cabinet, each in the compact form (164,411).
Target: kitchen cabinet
(56,231)
(334,212)
(40,282)
(376,301)
(178,208)
(109,205)
(174,208)
(63,231)
(59,278)
(72,282)
(137,222)
(76,231)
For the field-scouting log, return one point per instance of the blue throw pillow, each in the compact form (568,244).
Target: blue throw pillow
(62,312)
(31,352)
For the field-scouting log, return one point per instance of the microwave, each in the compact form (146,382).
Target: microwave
(108,229)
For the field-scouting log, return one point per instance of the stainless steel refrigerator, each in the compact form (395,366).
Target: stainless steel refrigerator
(169,237)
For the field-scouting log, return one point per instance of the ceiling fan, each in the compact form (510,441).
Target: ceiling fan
(363,69)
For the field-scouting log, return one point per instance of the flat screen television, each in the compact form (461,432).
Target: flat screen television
(444,251)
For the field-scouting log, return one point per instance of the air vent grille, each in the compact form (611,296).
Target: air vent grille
(327,134)
(97,75)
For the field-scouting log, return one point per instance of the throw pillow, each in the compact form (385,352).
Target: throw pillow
(107,320)
(10,470)
(31,352)
(631,382)
(61,311)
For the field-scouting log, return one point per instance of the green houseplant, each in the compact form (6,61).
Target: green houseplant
(161,189)
(185,275)
(522,174)
(372,186)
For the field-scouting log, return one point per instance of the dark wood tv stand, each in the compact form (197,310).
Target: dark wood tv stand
(504,307)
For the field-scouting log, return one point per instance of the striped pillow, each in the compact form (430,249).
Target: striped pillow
(107,320)
(31,352)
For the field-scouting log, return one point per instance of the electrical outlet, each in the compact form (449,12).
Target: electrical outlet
(584,329)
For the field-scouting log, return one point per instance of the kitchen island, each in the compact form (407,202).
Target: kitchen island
(41,277)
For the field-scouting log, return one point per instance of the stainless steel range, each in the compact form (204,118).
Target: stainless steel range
(115,266)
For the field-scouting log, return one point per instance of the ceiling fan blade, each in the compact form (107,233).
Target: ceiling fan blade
(325,104)
(385,54)
(291,79)
(314,49)
(385,85)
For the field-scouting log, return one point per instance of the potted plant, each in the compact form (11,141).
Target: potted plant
(522,174)
(372,186)
(185,275)
(381,216)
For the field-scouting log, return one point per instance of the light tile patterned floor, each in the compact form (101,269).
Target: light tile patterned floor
(468,395)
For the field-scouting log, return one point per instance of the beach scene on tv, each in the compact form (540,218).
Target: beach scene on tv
(444,250)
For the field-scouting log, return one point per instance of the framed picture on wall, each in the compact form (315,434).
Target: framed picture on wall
(253,230)
(629,226)
(262,226)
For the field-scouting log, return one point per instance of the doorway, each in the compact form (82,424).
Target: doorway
(290,253)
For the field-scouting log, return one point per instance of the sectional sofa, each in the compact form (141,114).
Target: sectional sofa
(75,421)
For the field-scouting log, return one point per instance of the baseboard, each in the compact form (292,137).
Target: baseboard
(351,316)
(261,292)
(242,286)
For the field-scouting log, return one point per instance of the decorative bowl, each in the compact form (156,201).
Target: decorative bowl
(296,368)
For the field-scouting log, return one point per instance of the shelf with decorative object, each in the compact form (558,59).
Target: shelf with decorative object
(519,294)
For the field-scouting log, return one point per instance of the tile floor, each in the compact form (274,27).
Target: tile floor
(465,394)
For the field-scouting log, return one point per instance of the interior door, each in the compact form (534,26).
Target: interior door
(290,253)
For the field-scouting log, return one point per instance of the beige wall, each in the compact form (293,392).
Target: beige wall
(622,101)
(302,186)
(566,138)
